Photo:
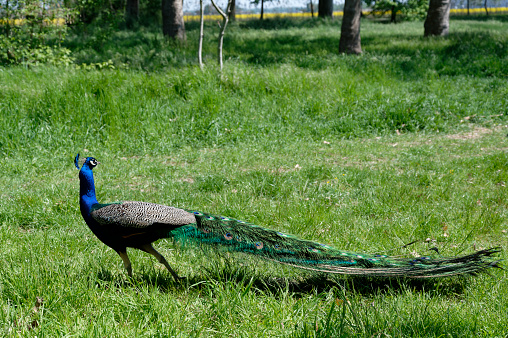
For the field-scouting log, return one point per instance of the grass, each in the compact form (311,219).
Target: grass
(478,46)
(366,153)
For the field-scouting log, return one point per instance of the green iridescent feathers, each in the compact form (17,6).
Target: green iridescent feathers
(239,236)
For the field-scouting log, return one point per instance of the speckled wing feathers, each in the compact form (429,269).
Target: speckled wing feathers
(140,214)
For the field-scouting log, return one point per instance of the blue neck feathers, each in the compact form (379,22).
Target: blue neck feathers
(87,196)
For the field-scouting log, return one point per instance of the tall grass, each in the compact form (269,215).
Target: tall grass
(131,112)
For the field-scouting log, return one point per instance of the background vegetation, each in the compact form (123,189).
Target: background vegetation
(367,153)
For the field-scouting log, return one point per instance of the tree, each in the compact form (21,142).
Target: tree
(201,33)
(225,20)
(350,42)
(131,12)
(232,12)
(172,19)
(325,8)
(408,9)
(438,18)
(262,2)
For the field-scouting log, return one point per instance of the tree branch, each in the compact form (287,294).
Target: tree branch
(223,27)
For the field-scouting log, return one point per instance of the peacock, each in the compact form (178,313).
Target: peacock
(122,225)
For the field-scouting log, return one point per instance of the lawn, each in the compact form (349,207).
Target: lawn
(407,142)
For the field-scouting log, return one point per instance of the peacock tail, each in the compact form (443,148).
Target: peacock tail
(238,236)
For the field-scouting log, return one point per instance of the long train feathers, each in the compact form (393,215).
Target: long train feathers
(239,236)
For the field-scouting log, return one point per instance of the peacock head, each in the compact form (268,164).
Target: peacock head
(90,162)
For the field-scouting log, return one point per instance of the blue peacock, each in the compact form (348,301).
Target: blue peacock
(128,224)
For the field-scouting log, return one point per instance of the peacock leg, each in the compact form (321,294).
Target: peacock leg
(126,262)
(150,249)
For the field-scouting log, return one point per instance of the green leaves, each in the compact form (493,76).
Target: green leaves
(32,32)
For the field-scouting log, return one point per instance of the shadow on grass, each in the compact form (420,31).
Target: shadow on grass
(479,54)
(246,279)
(480,17)
(277,23)
(281,40)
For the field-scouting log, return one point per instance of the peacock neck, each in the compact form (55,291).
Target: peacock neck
(87,196)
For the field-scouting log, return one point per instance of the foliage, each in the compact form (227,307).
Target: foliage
(104,10)
(150,12)
(13,51)
(407,9)
(32,32)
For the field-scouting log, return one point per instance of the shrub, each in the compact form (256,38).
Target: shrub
(32,32)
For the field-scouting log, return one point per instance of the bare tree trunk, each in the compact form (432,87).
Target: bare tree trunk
(131,12)
(8,21)
(223,27)
(172,19)
(325,8)
(350,42)
(485,5)
(201,34)
(232,13)
(311,9)
(262,9)
(393,17)
(467,7)
(438,18)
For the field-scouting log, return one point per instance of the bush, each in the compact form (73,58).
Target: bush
(407,9)
(32,32)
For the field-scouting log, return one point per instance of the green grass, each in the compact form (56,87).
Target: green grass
(304,144)
(476,46)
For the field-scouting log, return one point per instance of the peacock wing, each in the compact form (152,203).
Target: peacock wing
(140,214)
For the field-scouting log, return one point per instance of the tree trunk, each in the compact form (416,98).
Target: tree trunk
(172,19)
(325,8)
(350,42)
(393,17)
(467,7)
(8,19)
(222,28)
(201,34)
(262,9)
(485,5)
(232,13)
(131,12)
(438,18)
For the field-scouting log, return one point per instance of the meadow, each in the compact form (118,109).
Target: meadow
(407,142)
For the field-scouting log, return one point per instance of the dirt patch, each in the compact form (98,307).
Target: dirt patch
(475,133)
